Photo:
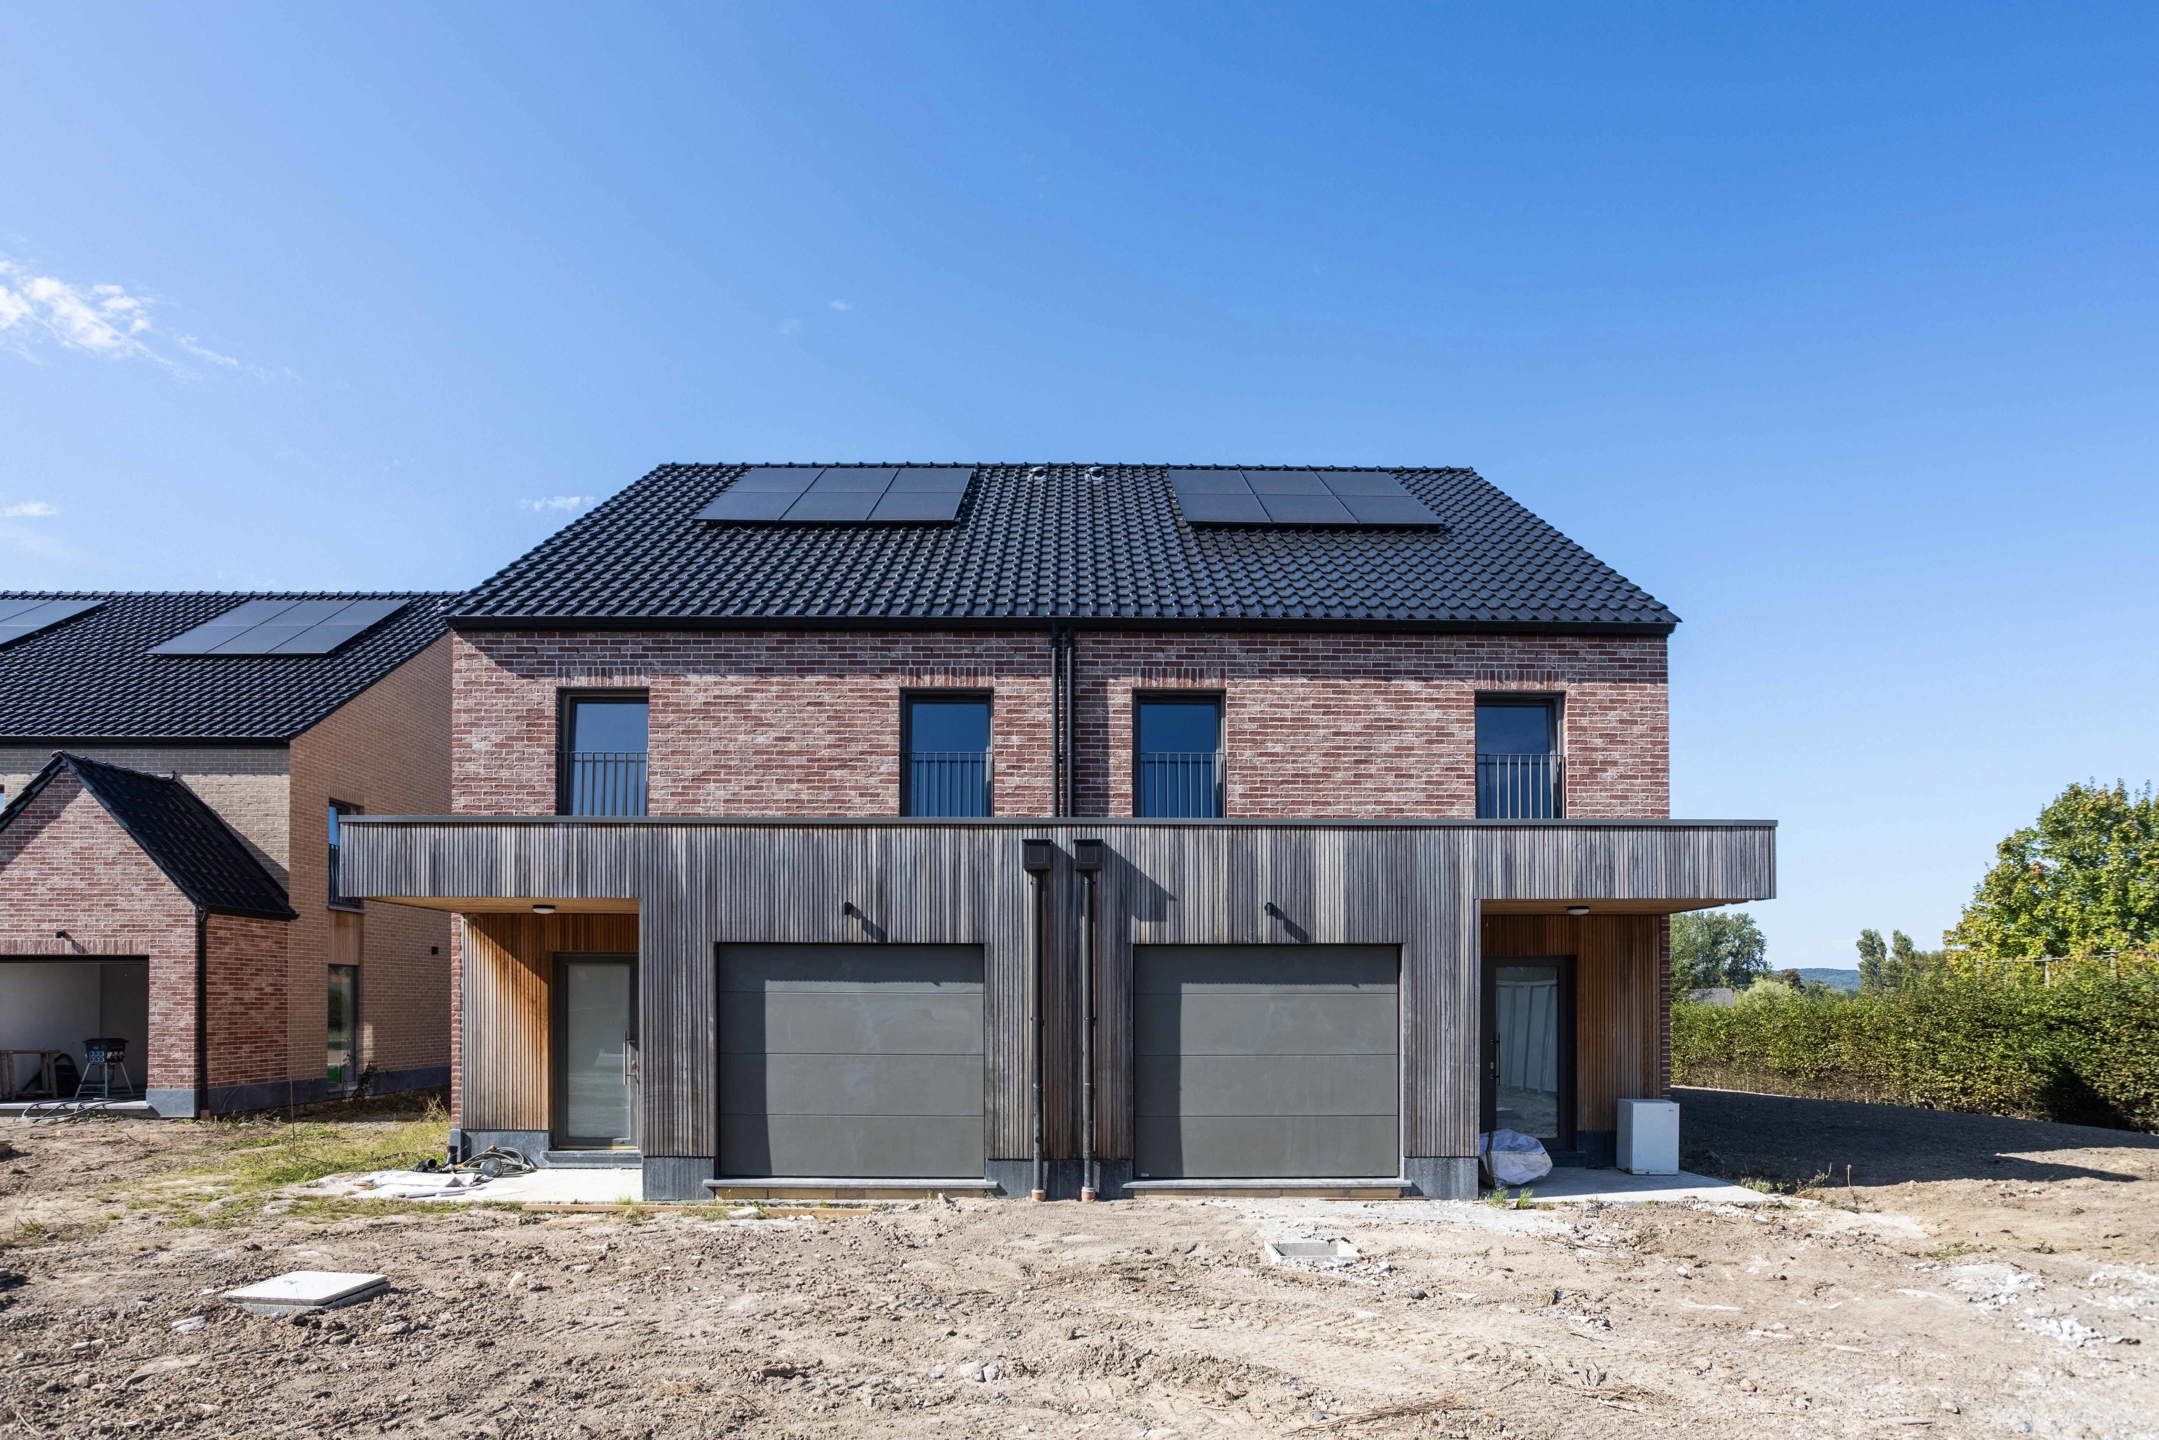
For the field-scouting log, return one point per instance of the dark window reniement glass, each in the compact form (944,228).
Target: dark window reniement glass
(1177,759)
(603,759)
(945,756)
(1518,761)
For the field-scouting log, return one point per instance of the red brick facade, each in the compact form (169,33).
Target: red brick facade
(247,990)
(66,865)
(793,723)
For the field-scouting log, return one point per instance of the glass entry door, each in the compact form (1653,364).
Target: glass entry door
(1529,1049)
(595,1035)
(342,1067)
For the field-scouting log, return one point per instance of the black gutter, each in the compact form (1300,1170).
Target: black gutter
(1087,859)
(1037,857)
(1315,624)
(218,742)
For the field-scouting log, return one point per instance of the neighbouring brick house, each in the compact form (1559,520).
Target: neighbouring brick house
(1057,828)
(174,766)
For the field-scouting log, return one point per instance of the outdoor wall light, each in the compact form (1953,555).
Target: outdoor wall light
(1577,910)
(543,909)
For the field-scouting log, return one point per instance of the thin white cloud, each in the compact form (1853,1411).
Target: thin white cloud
(41,312)
(791,325)
(840,304)
(556,502)
(27,510)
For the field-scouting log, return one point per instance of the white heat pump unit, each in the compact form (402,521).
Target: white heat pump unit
(1649,1137)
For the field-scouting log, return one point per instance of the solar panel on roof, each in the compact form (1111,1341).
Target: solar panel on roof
(22,618)
(843,495)
(1350,498)
(282,627)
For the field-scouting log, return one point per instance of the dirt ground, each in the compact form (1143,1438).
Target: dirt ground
(1977,1277)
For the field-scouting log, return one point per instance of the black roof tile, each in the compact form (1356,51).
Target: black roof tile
(1088,543)
(93,678)
(201,854)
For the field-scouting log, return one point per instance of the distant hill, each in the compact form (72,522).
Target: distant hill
(1821,975)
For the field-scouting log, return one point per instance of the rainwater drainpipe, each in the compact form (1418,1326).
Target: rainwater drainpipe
(202,1014)
(1087,859)
(1037,858)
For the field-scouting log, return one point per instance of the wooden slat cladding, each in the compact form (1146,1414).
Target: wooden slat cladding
(1617,1024)
(508,963)
(698,884)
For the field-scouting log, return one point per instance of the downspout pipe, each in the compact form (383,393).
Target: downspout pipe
(1087,860)
(1038,858)
(202,1013)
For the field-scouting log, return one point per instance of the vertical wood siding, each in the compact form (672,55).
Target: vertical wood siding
(509,964)
(698,885)
(1619,1010)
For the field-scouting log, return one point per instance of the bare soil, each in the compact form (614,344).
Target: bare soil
(1969,1281)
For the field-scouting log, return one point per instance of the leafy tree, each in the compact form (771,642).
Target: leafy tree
(1872,957)
(1717,948)
(2083,880)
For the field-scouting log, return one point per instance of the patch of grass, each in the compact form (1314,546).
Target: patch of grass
(29,1233)
(253,1157)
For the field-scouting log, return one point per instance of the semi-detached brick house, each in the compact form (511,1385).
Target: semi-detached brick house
(174,767)
(1056,828)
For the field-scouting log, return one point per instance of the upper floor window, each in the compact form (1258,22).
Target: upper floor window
(945,755)
(1518,761)
(603,755)
(339,809)
(1177,758)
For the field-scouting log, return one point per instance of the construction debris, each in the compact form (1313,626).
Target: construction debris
(300,1292)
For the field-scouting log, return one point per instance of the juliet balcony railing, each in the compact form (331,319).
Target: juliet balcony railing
(949,783)
(604,782)
(1173,786)
(1519,787)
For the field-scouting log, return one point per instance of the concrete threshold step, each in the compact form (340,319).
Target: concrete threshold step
(592,1159)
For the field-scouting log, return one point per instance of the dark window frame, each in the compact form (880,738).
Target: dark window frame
(1219,699)
(333,853)
(566,702)
(988,699)
(1553,703)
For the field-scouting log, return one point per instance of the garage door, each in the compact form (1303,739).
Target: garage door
(1261,1061)
(851,1060)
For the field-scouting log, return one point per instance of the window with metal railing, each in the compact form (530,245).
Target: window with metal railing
(603,755)
(945,756)
(1520,773)
(1177,759)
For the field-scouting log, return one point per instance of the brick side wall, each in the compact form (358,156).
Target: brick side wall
(1376,726)
(67,865)
(388,751)
(246,784)
(248,1001)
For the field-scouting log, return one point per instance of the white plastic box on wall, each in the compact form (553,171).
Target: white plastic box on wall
(1649,1137)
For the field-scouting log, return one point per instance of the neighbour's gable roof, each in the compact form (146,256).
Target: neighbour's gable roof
(93,677)
(1098,544)
(202,855)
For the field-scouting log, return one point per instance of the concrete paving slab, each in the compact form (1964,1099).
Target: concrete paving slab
(1573,1185)
(554,1185)
(298,1291)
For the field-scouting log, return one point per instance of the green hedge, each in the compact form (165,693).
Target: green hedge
(2078,1041)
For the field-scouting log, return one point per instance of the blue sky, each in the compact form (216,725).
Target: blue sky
(1832,326)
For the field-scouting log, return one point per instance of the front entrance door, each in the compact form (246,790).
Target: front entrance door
(595,1035)
(1529,1048)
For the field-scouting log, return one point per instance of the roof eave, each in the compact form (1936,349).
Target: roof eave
(1183,623)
